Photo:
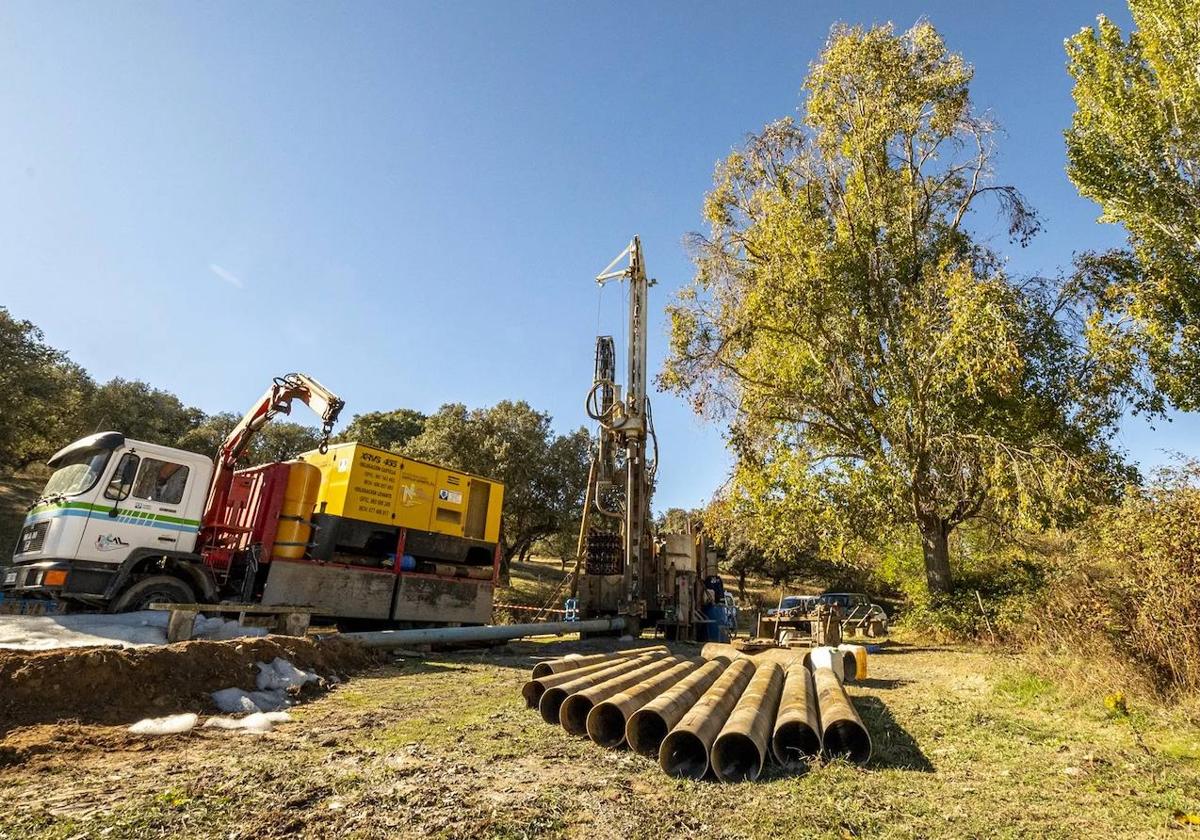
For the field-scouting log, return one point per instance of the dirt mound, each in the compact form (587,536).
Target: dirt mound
(115,686)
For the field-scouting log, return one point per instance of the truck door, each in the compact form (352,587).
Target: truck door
(140,506)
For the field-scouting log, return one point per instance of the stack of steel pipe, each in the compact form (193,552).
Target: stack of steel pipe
(726,714)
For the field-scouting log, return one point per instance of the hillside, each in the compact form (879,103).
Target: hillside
(16,494)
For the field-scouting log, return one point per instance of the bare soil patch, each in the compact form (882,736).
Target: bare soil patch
(113,686)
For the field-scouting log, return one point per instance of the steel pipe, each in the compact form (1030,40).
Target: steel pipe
(739,752)
(649,725)
(533,689)
(607,720)
(684,752)
(842,731)
(552,698)
(573,713)
(784,657)
(797,734)
(573,661)
(484,633)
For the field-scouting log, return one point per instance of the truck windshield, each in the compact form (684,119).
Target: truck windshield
(77,473)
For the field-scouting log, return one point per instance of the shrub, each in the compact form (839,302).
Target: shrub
(997,576)
(1131,587)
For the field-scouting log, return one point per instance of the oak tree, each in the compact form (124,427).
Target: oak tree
(544,473)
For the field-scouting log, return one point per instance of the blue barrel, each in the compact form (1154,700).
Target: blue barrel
(718,631)
(408,563)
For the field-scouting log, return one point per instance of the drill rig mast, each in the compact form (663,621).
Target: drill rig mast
(616,549)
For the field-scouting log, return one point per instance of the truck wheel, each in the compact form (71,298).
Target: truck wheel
(157,589)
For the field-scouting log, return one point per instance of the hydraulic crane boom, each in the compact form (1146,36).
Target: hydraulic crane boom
(276,400)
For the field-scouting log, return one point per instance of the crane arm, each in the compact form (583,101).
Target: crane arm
(277,400)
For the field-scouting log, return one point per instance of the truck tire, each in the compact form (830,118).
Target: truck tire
(156,589)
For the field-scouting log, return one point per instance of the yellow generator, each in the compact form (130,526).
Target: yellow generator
(394,539)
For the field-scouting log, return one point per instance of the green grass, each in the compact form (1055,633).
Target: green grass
(966,745)
(1024,688)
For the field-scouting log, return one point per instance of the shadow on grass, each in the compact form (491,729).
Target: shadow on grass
(874,682)
(893,746)
(891,648)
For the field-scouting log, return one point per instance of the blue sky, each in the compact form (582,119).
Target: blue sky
(410,200)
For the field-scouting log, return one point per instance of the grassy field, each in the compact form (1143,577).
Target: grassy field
(967,744)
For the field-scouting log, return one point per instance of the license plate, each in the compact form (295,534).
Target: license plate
(11,577)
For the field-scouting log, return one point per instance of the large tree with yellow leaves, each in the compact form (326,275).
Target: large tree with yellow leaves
(873,361)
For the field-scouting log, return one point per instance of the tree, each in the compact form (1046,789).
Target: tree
(283,442)
(41,394)
(276,441)
(1134,149)
(384,429)
(544,474)
(678,520)
(873,361)
(139,411)
(207,437)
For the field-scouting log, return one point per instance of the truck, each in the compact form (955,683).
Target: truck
(350,531)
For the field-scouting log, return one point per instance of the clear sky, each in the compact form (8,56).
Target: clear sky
(410,200)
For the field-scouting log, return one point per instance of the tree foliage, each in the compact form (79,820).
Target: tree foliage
(544,473)
(41,394)
(276,441)
(678,520)
(874,362)
(140,411)
(47,401)
(384,429)
(1134,149)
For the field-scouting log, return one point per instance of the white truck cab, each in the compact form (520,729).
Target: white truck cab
(114,513)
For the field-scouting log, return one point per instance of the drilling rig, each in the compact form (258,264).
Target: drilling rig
(620,569)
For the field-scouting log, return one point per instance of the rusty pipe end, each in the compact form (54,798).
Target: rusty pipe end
(606,725)
(542,669)
(735,758)
(645,732)
(794,743)
(573,714)
(847,739)
(532,692)
(550,703)
(683,755)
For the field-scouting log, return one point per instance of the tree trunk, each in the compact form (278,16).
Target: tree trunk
(935,545)
(506,553)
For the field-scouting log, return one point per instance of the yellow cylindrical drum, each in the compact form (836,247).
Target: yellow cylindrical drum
(299,499)
(860,661)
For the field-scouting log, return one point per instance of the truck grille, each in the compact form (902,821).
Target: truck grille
(32,538)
